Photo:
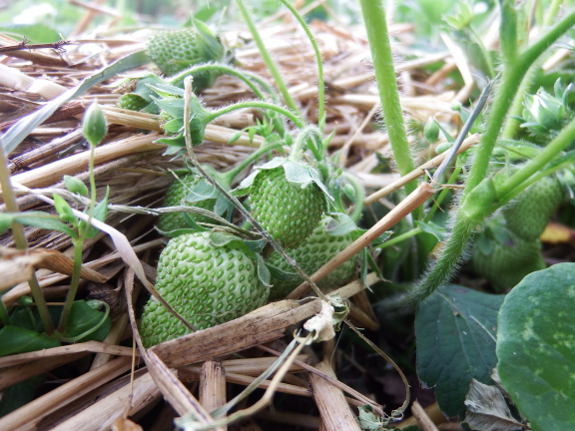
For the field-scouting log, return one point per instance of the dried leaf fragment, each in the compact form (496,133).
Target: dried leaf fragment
(487,409)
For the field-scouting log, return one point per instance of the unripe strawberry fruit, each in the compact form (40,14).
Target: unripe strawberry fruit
(174,51)
(206,284)
(176,195)
(319,248)
(133,102)
(528,215)
(507,263)
(287,211)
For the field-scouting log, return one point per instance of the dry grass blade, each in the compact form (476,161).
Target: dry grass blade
(260,326)
(27,416)
(73,349)
(122,403)
(19,266)
(334,410)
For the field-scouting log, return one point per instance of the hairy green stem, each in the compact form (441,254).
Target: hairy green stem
(447,263)
(268,59)
(259,105)
(20,240)
(511,123)
(463,229)
(320,78)
(374,17)
(510,82)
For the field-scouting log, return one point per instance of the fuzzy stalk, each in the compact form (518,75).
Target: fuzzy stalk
(268,59)
(376,25)
(510,82)
(463,229)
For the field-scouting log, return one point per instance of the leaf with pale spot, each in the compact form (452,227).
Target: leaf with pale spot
(536,347)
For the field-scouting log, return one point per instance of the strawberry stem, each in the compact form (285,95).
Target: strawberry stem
(321,89)
(268,59)
(259,105)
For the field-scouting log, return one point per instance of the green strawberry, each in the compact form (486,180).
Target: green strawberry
(131,101)
(206,284)
(530,212)
(506,258)
(176,195)
(289,211)
(317,250)
(174,51)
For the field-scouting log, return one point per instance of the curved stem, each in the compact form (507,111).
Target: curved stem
(320,78)
(268,60)
(260,105)
(77,243)
(247,77)
(232,173)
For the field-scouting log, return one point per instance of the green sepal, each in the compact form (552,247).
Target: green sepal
(262,271)
(295,172)
(64,210)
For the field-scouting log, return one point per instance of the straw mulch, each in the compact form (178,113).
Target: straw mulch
(93,385)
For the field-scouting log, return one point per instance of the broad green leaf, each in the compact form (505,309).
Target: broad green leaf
(84,319)
(536,347)
(20,394)
(15,339)
(455,329)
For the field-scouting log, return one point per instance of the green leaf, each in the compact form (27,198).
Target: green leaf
(536,347)
(86,323)
(75,185)
(15,339)
(42,220)
(24,126)
(63,208)
(455,329)
(5,222)
(433,229)
(100,213)
(20,394)
(36,33)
